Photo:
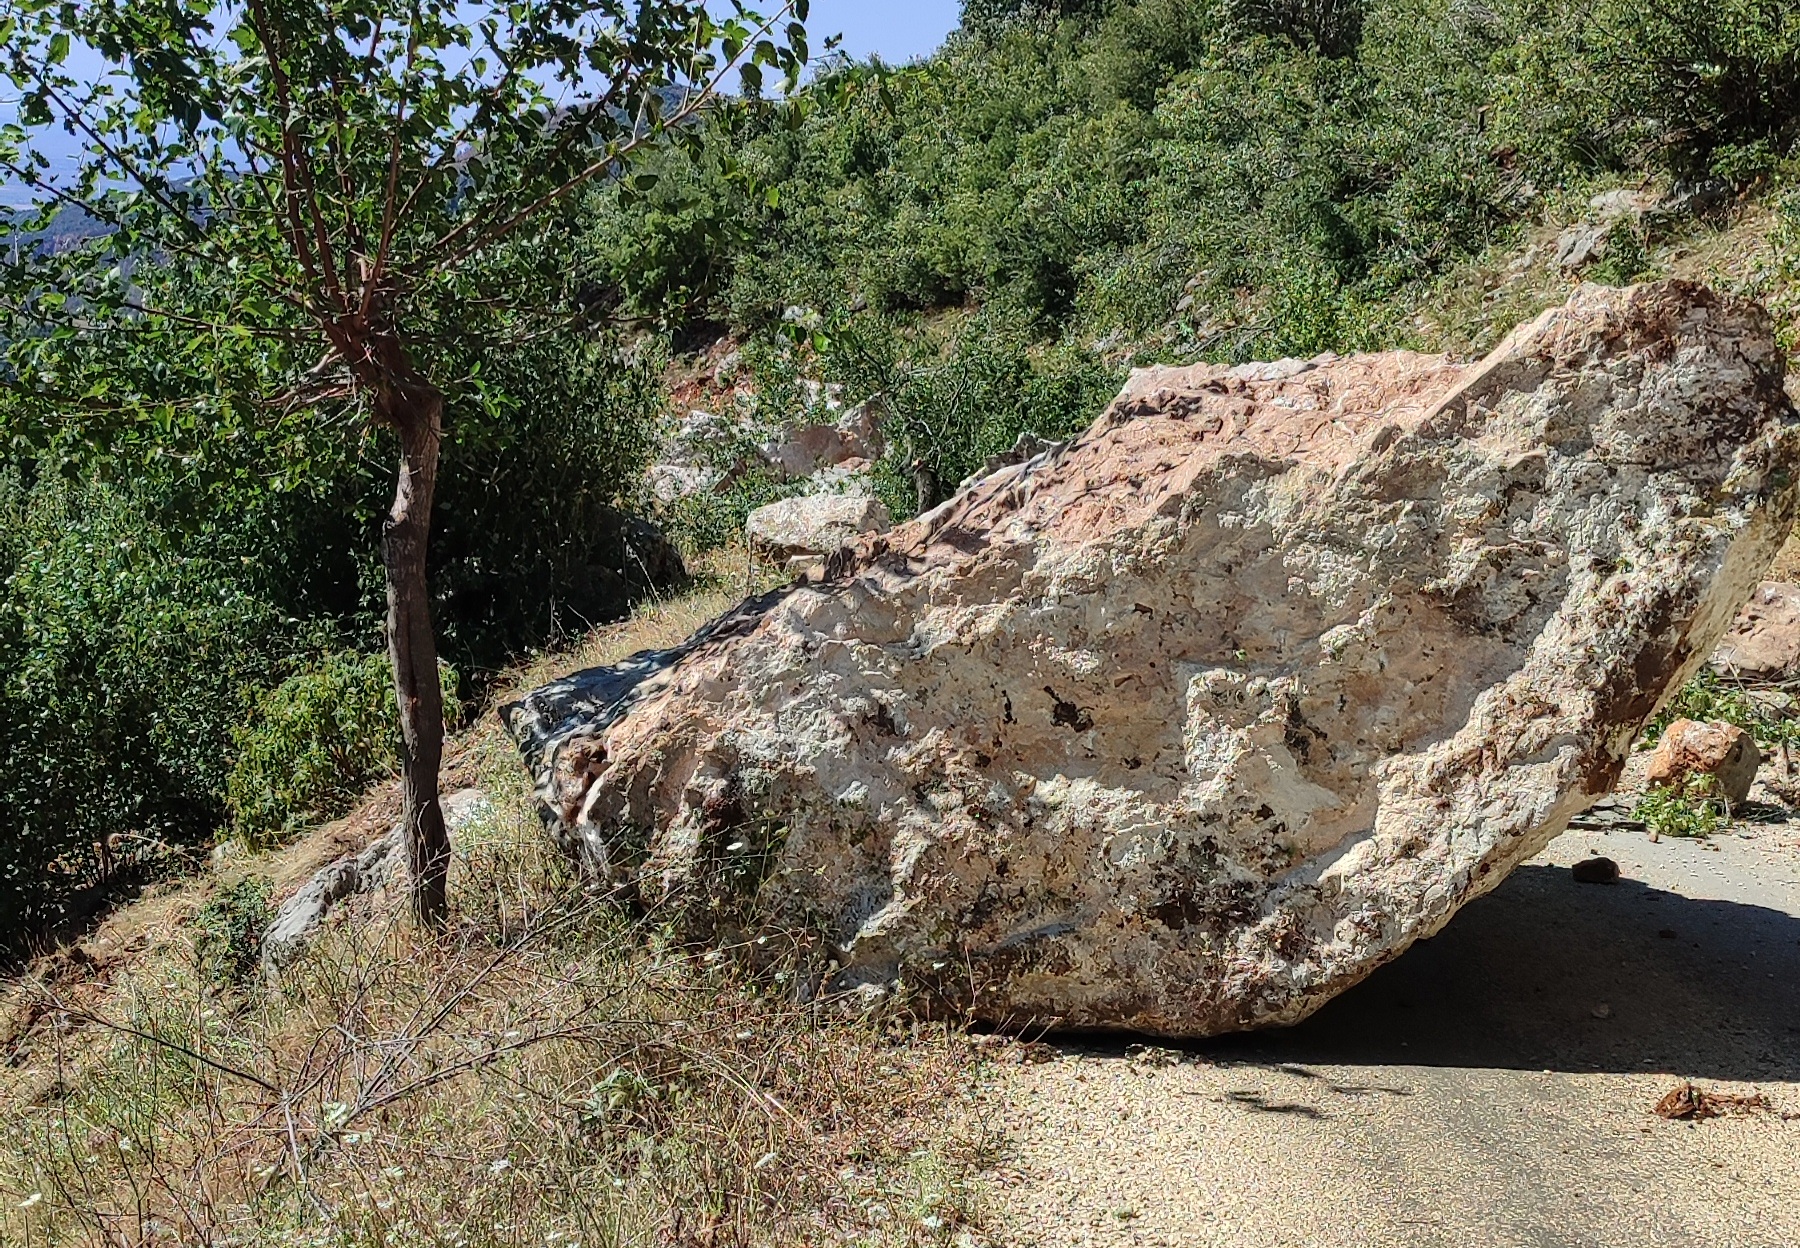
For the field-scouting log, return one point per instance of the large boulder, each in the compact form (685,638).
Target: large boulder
(1191,725)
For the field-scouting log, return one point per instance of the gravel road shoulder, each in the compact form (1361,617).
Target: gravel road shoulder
(1493,1087)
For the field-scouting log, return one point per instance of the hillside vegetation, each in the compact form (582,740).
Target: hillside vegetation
(1067,189)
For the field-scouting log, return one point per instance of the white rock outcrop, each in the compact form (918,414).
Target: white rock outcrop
(1190,725)
(802,450)
(813,524)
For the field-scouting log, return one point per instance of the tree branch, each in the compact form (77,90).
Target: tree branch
(150,310)
(390,195)
(432,170)
(690,106)
(73,117)
(295,177)
(97,210)
(108,1024)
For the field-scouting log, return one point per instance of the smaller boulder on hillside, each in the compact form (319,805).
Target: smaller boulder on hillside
(800,452)
(1723,751)
(1764,644)
(690,460)
(380,865)
(1588,240)
(814,525)
(803,450)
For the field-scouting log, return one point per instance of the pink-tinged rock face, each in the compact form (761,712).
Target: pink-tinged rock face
(1724,754)
(1190,725)
(1764,642)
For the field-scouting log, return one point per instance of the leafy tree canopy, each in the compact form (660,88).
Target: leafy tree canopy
(348,178)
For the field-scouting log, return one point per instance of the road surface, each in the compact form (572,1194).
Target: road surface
(1492,1088)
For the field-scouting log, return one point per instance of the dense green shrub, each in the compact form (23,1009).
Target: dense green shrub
(1690,86)
(228,932)
(126,654)
(1716,83)
(1711,698)
(984,17)
(544,441)
(315,742)
(954,402)
(1333,27)
(1217,178)
(1692,811)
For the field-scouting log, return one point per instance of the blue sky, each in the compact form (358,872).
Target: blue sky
(898,29)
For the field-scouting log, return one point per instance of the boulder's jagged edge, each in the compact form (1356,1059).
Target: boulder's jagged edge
(1189,725)
(576,710)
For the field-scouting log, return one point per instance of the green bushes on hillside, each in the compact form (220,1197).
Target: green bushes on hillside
(312,745)
(166,562)
(953,400)
(1219,179)
(1698,87)
(228,933)
(125,660)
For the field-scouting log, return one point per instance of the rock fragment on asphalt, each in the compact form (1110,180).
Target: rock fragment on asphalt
(1595,871)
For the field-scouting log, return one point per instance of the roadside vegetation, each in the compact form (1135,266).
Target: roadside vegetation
(550,1072)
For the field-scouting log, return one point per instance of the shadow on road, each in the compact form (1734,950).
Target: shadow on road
(1547,974)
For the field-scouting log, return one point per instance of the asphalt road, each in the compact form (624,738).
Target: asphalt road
(1492,1088)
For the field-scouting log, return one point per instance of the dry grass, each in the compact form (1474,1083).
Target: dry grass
(722,578)
(549,1072)
(1740,251)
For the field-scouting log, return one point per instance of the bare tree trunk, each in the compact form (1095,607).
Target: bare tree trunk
(415,410)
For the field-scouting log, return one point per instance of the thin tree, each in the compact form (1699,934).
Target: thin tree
(348,165)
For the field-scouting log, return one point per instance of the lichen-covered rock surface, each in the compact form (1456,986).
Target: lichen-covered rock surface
(1191,724)
(814,524)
